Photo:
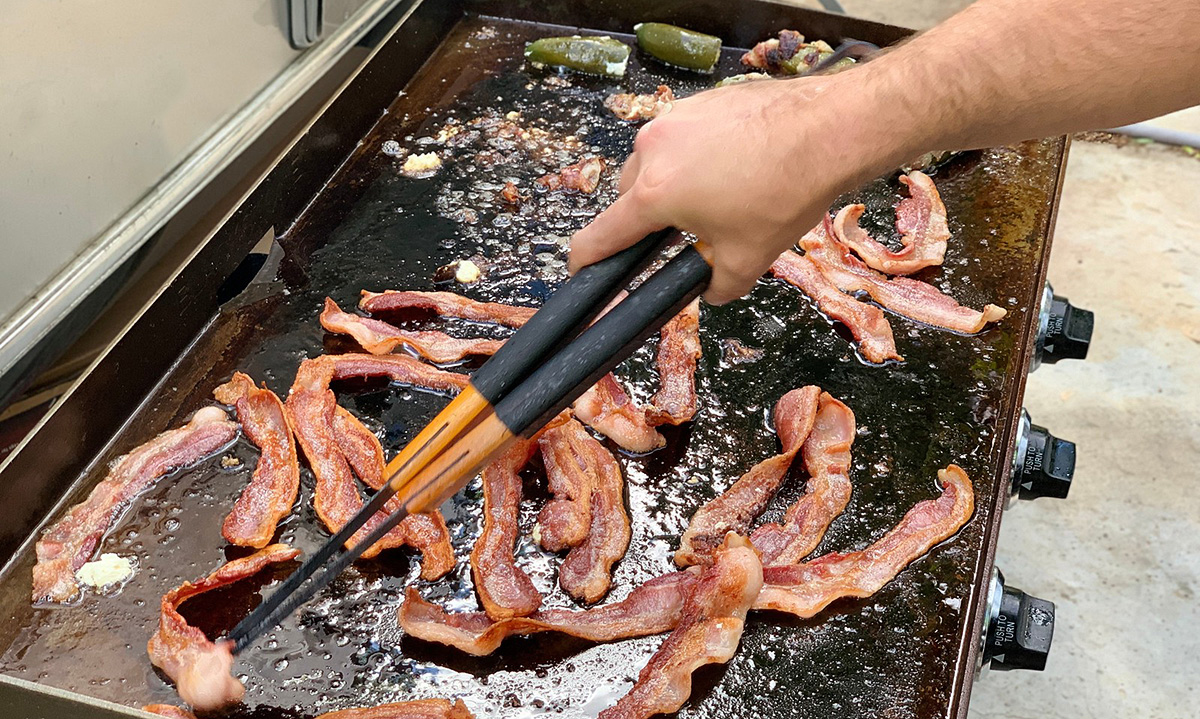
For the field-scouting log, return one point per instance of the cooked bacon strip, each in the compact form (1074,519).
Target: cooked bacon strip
(70,542)
(631,106)
(709,631)
(588,512)
(272,490)
(903,295)
(504,589)
(678,352)
(398,368)
(653,608)
(736,507)
(826,455)
(807,588)
(446,304)
(380,338)
(199,667)
(921,220)
(417,709)
(169,710)
(609,410)
(583,176)
(865,321)
(335,443)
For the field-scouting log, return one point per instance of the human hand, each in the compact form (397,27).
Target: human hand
(748,169)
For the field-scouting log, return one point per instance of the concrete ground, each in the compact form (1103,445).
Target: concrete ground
(1121,556)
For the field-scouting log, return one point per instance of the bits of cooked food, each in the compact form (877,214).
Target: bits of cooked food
(679,46)
(592,55)
(744,77)
(110,569)
(788,54)
(467,272)
(423,165)
(582,177)
(632,107)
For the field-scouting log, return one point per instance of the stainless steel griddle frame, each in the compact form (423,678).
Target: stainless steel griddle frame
(78,433)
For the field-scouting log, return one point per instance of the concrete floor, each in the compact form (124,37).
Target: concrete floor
(1121,556)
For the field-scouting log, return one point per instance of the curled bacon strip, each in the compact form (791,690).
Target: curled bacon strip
(865,321)
(921,220)
(652,608)
(417,709)
(338,447)
(678,352)
(826,455)
(199,667)
(631,106)
(397,368)
(446,304)
(709,631)
(380,338)
(903,295)
(591,516)
(70,542)
(272,490)
(607,408)
(169,710)
(504,589)
(736,507)
(583,176)
(807,588)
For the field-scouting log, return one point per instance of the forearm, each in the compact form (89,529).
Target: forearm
(1003,71)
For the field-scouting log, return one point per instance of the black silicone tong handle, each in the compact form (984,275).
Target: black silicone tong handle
(564,315)
(609,341)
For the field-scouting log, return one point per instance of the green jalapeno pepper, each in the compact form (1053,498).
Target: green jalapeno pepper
(594,55)
(679,46)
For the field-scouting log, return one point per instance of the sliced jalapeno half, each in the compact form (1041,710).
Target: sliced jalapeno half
(594,55)
(679,46)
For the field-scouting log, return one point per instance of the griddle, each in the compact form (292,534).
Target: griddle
(345,219)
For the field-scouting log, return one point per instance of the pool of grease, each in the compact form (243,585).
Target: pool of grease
(893,655)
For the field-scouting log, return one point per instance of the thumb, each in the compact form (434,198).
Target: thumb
(620,226)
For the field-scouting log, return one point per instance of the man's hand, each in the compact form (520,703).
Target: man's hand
(751,167)
(747,168)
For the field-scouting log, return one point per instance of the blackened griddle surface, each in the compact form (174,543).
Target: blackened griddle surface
(893,655)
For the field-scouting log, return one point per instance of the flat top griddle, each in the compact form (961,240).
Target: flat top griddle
(901,653)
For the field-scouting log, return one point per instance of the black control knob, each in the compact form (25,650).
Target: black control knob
(1064,330)
(1043,465)
(1018,630)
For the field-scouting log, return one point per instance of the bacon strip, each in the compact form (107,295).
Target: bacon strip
(418,709)
(169,710)
(807,588)
(592,518)
(678,352)
(826,455)
(446,304)
(652,608)
(380,338)
(709,631)
(608,409)
(199,667)
(504,589)
(398,368)
(583,176)
(865,321)
(70,542)
(921,220)
(736,507)
(905,296)
(272,490)
(631,106)
(338,447)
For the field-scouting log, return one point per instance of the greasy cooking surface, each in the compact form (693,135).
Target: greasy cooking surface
(893,655)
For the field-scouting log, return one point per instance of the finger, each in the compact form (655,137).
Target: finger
(621,225)
(726,286)
(629,173)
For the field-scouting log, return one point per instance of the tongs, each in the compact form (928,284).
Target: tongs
(544,367)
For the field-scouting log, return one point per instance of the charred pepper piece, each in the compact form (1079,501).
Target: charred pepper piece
(593,55)
(679,46)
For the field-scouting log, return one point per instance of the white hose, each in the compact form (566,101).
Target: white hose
(1159,134)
